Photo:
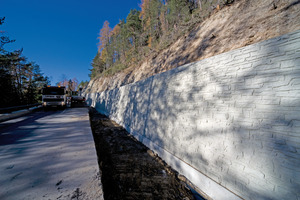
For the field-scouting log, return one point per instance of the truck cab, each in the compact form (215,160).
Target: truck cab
(54,96)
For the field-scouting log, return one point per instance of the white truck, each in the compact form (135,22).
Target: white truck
(54,96)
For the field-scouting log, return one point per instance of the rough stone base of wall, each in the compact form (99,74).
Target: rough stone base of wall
(232,120)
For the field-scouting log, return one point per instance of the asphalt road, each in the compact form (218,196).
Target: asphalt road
(49,155)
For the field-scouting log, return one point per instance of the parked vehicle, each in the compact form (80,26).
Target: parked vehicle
(76,99)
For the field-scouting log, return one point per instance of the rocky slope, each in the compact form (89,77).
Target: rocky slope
(240,24)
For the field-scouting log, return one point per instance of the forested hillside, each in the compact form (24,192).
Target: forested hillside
(166,34)
(147,31)
(20,79)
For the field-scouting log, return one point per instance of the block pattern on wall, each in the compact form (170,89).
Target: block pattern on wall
(234,117)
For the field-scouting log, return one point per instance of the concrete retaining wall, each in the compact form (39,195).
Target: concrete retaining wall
(230,123)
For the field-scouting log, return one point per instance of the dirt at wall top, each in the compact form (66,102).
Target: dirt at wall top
(243,23)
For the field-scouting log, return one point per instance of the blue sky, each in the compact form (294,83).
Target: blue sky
(60,35)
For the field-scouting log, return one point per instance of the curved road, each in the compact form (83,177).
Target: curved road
(49,155)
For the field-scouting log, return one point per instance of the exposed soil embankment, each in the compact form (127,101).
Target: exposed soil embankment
(240,24)
(129,170)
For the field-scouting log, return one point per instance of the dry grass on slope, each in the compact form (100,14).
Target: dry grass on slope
(243,23)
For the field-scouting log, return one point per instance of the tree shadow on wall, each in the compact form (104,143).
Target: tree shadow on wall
(233,124)
(258,124)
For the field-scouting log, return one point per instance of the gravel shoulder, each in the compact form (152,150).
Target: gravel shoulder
(129,170)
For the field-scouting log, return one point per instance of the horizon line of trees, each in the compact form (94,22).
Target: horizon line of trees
(71,84)
(147,31)
(20,79)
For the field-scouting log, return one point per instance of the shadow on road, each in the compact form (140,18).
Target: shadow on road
(49,155)
(9,133)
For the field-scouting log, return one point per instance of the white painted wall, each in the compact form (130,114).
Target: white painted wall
(230,121)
